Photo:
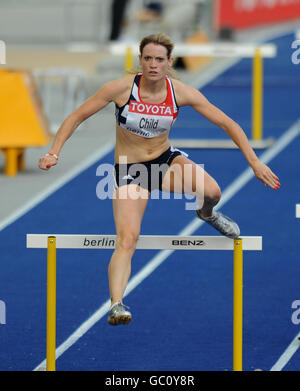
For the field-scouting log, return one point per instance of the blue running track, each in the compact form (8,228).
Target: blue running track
(182,313)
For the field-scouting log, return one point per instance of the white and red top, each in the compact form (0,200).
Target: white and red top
(147,119)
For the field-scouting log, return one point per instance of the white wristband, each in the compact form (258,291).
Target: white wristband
(52,154)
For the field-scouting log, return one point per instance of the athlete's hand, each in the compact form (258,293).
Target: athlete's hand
(47,161)
(266,175)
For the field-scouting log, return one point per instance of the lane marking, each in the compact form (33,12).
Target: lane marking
(298,211)
(39,197)
(157,260)
(287,354)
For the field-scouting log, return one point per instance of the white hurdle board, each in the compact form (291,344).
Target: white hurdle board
(145,242)
(219,49)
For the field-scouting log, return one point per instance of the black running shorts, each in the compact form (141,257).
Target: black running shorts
(148,175)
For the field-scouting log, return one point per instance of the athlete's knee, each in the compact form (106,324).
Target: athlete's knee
(127,240)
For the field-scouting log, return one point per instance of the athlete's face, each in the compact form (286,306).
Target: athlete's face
(154,61)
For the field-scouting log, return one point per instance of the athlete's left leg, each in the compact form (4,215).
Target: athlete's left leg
(185,176)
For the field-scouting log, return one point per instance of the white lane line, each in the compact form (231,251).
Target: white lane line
(229,192)
(287,354)
(298,211)
(39,197)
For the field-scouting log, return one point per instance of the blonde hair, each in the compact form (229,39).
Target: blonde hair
(158,39)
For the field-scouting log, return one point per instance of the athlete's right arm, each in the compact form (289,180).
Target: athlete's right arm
(106,94)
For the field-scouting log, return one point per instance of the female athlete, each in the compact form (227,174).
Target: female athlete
(147,105)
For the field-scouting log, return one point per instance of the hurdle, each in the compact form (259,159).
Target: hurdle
(52,242)
(298,211)
(219,50)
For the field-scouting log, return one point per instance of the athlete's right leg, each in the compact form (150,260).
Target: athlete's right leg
(128,213)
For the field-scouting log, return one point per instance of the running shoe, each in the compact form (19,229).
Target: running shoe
(221,223)
(118,314)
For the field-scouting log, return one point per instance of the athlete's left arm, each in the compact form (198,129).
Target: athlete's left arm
(186,95)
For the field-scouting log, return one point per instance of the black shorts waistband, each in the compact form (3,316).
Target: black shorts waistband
(163,158)
(123,176)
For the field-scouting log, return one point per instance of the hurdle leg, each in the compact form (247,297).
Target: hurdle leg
(51,303)
(128,60)
(21,160)
(11,161)
(238,305)
(257,98)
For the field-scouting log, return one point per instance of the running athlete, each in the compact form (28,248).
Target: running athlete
(147,105)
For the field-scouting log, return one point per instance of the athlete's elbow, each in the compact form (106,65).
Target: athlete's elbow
(68,126)
(229,126)
(75,119)
(224,127)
